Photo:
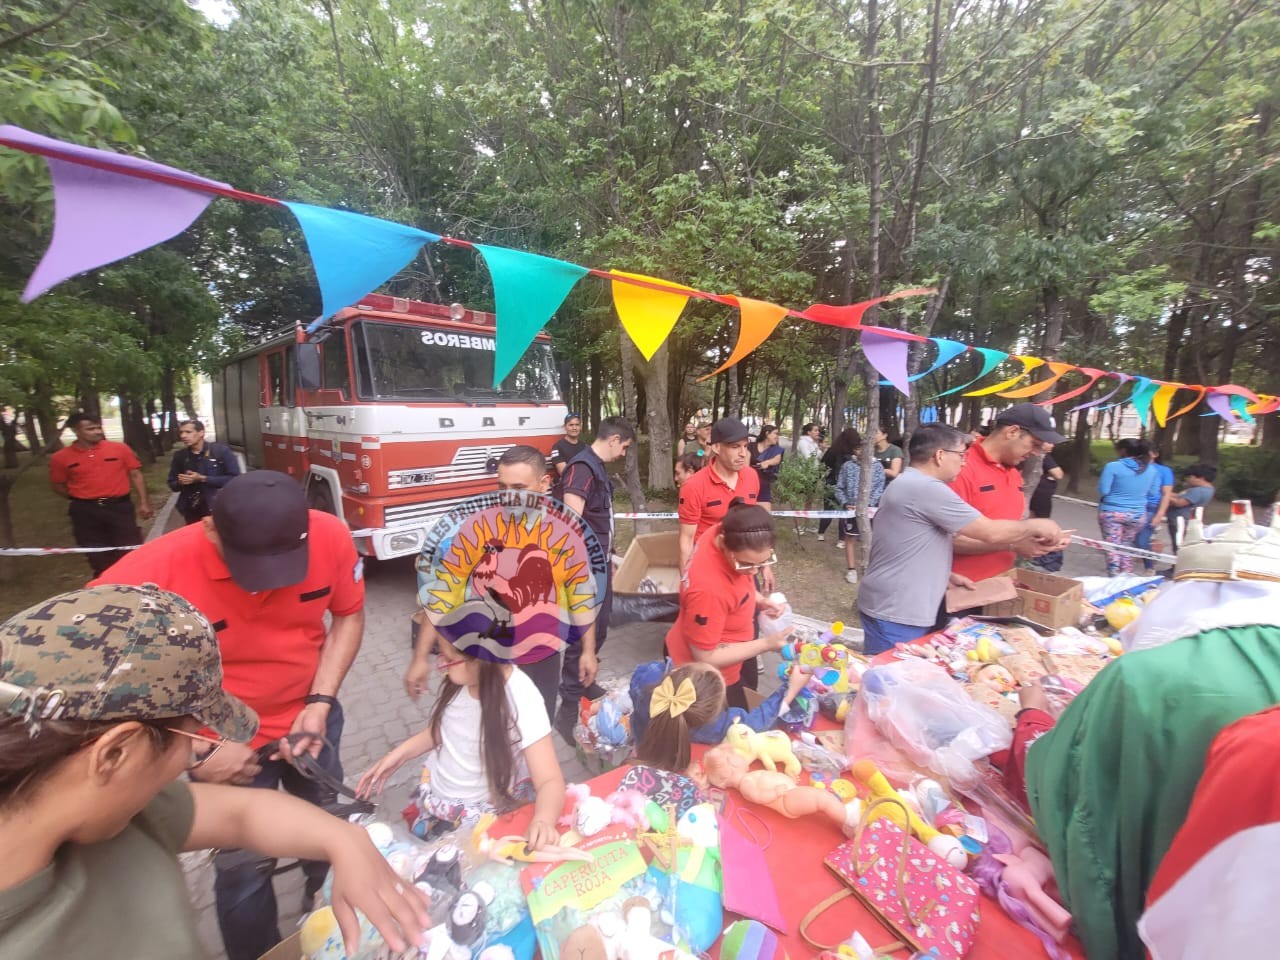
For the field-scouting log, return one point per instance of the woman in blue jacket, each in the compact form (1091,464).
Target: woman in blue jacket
(1123,490)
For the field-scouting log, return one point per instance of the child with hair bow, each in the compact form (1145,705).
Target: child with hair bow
(675,707)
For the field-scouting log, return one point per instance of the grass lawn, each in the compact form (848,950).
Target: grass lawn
(40,520)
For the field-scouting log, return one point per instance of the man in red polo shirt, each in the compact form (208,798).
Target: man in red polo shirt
(706,496)
(95,474)
(264,570)
(991,482)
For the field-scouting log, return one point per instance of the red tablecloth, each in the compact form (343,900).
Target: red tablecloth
(794,850)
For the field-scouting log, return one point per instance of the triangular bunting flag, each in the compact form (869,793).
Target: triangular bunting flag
(102,210)
(850,317)
(527,290)
(990,360)
(1028,364)
(757,319)
(889,356)
(1122,377)
(1093,375)
(1040,386)
(354,254)
(948,350)
(648,315)
(1188,407)
(1160,402)
(1220,403)
(1144,389)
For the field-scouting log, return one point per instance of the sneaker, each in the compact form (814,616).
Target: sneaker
(821,537)
(840,544)
(851,576)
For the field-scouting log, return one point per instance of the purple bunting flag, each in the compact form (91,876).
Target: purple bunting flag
(104,210)
(889,356)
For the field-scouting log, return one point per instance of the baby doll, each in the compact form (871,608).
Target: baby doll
(709,718)
(725,767)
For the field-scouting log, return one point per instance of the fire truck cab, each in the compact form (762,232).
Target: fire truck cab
(387,414)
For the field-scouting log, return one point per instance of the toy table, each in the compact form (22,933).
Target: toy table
(794,850)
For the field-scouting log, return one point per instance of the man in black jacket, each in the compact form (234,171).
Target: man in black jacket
(199,470)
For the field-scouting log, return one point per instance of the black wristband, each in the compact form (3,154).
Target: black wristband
(320,698)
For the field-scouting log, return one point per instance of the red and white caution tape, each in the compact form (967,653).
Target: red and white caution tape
(56,551)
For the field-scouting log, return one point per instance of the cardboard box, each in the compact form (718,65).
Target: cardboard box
(652,555)
(289,948)
(1042,597)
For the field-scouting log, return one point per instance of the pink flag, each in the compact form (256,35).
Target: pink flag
(106,207)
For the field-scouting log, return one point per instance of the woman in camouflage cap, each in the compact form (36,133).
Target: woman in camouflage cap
(106,696)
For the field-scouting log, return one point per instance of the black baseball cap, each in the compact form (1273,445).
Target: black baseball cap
(261,518)
(1032,418)
(729,430)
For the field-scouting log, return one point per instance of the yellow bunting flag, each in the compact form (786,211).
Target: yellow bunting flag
(648,315)
(757,320)
(1028,364)
(1161,399)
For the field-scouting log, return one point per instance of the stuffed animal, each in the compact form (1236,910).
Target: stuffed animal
(587,814)
(772,748)
(944,846)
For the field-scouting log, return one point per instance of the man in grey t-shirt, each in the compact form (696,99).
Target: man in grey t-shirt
(910,564)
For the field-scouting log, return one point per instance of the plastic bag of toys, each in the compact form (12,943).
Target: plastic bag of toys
(603,732)
(476,910)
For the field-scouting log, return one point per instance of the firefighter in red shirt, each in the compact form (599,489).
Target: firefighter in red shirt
(265,570)
(95,474)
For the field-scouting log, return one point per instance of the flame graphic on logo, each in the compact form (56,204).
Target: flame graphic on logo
(569,573)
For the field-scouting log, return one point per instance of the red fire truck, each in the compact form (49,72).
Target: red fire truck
(387,414)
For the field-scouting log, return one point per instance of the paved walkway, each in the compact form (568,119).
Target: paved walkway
(379,713)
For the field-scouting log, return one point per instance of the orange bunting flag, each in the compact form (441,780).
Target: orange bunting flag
(1028,364)
(1265,404)
(1187,408)
(757,319)
(1040,386)
(648,315)
(850,317)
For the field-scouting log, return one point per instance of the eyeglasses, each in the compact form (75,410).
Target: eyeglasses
(199,761)
(959,453)
(744,567)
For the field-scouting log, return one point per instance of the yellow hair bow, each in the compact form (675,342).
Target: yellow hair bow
(668,699)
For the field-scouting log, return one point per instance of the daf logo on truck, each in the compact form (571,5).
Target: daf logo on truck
(387,414)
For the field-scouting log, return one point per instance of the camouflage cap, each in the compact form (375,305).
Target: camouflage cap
(117,652)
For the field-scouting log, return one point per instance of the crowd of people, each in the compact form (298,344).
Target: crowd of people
(219,650)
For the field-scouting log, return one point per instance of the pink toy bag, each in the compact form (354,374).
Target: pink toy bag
(926,902)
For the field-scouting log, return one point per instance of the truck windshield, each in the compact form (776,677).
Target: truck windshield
(396,361)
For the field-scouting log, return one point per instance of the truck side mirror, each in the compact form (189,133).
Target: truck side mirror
(307,363)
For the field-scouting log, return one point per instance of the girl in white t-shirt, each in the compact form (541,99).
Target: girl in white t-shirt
(488,746)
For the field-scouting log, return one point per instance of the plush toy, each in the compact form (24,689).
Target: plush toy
(586,814)
(773,747)
(944,846)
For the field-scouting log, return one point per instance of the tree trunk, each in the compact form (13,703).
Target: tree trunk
(88,398)
(1078,468)
(29,428)
(12,445)
(661,453)
(594,396)
(631,472)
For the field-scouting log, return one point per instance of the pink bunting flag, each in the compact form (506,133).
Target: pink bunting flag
(1093,375)
(889,356)
(107,206)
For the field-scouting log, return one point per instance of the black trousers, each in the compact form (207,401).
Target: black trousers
(110,524)
(557,676)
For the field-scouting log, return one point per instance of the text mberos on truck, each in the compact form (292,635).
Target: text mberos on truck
(387,414)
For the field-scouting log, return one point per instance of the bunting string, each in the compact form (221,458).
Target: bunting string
(108,206)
